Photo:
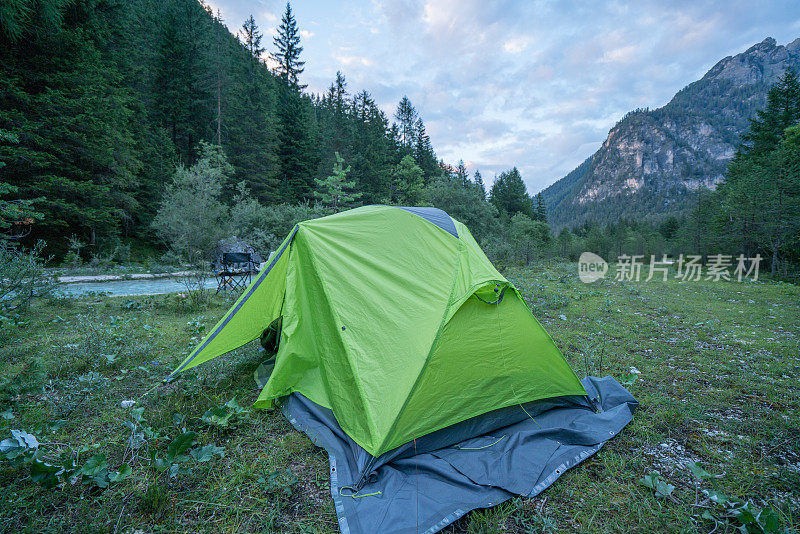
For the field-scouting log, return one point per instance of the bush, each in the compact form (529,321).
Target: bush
(264,228)
(465,203)
(527,237)
(22,276)
(192,218)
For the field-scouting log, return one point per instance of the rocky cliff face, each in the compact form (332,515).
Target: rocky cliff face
(653,160)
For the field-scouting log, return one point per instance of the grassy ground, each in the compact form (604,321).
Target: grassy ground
(718,365)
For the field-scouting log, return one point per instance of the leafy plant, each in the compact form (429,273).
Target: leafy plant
(278,482)
(207,452)
(180,451)
(18,444)
(23,447)
(131,305)
(662,488)
(176,454)
(196,326)
(222,416)
(95,470)
(752,519)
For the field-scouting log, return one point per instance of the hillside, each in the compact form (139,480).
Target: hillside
(100,100)
(654,161)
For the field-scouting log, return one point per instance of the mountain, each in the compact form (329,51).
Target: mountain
(654,161)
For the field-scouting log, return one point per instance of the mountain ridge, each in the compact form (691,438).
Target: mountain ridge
(653,161)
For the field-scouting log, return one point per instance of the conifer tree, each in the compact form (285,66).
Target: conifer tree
(336,192)
(333,112)
(221,65)
(423,152)
(509,195)
(253,139)
(539,210)
(296,152)
(297,157)
(461,172)
(407,182)
(478,179)
(759,200)
(287,42)
(182,98)
(406,117)
(373,149)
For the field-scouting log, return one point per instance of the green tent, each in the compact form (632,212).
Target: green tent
(395,320)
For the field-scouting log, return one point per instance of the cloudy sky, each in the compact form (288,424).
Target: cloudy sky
(536,84)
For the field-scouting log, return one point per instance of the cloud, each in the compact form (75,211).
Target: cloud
(535,84)
(516,45)
(349,60)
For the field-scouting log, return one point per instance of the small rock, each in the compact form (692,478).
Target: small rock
(562,317)
(635,371)
(128,403)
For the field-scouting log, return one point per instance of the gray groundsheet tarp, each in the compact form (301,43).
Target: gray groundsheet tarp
(423,488)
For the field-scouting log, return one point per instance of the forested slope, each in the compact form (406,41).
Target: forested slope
(100,99)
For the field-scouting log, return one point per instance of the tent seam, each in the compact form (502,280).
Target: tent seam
(361,396)
(237,306)
(435,342)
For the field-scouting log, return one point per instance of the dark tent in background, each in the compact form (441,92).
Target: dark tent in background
(233,245)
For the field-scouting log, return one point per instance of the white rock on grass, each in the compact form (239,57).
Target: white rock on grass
(128,403)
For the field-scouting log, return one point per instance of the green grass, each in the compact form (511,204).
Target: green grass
(718,362)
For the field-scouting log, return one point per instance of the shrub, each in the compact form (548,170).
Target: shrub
(22,276)
(192,217)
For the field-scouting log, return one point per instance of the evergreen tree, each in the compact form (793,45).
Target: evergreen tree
(253,139)
(406,117)
(221,66)
(288,54)
(251,36)
(758,201)
(76,151)
(16,215)
(296,146)
(335,192)
(106,98)
(539,210)
(478,179)
(461,172)
(509,195)
(335,123)
(407,182)
(423,152)
(182,98)
(372,159)
(297,157)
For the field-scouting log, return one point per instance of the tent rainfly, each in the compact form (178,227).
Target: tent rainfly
(394,319)
(418,366)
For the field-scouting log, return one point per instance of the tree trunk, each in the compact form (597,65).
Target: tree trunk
(774,268)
